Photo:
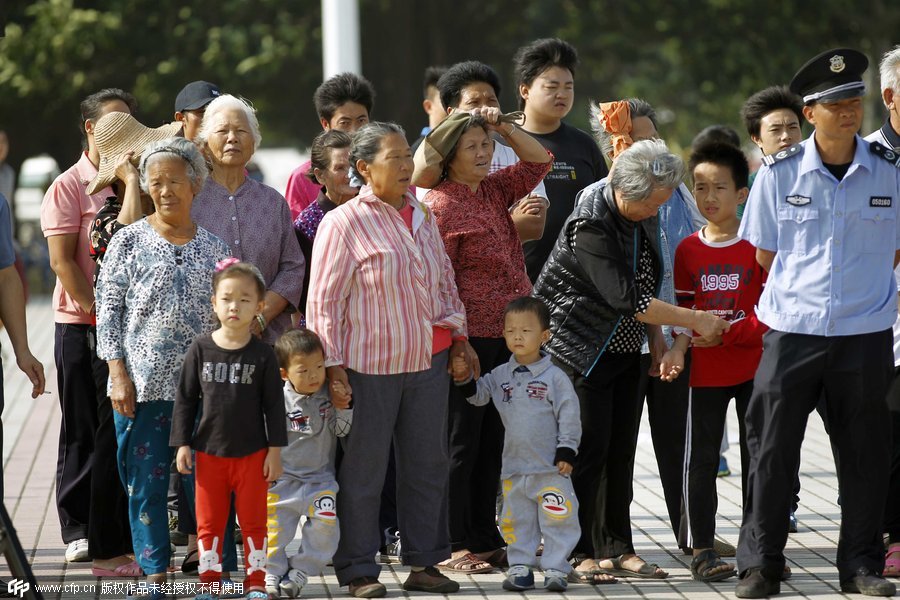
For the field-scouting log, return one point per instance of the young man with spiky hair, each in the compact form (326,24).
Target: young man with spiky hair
(545,74)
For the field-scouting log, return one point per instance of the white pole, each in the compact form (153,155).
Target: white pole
(340,37)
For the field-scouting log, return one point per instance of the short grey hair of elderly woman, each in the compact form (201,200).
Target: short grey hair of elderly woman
(175,147)
(646,166)
(637,107)
(228,102)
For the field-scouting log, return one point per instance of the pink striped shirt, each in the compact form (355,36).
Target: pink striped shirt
(377,290)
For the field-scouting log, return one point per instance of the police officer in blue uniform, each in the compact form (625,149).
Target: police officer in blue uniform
(824,216)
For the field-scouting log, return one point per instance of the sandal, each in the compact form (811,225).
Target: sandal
(590,577)
(645,571)
(705,563)
(191,562)
(497,558)
(892,561)
(131,569)
(467,563)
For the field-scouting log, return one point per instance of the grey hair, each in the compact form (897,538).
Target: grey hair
(367,142)
(638,108)
(645,167)
(174,147)
(229,102)
(890,70)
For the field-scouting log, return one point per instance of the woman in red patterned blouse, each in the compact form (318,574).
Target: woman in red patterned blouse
(472,212)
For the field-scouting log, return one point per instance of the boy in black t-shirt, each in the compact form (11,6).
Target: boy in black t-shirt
(545,70)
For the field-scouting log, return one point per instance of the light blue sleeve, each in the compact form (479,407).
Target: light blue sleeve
(567,410)
(485,385)
(7,253)
(759,225)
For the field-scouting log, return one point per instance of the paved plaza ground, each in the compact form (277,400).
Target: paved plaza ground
(31,430)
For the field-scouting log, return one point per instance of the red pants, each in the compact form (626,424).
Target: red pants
(217,478)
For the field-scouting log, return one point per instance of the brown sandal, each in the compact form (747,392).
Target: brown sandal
(497,558)
(467,563)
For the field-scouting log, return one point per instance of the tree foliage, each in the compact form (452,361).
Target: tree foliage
(695,60)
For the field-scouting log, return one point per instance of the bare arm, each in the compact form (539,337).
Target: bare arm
(62,261)
(526,147)
(131,201)
(663,313)
(765,258)
(12,314)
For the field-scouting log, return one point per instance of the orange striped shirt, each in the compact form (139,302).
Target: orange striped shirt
(377,290)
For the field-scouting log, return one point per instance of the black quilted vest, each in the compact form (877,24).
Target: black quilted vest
(581,320)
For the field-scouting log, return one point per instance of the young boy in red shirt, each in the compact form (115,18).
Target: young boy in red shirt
(715,271)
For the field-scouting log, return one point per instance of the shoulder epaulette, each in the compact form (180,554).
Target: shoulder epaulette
(892,156)
(771,159)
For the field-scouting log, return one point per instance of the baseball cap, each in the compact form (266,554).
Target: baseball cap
(196,95)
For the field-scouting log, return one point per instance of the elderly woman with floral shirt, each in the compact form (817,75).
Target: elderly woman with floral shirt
(471,208)
(152,300)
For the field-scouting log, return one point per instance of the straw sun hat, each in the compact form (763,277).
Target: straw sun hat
(117,133)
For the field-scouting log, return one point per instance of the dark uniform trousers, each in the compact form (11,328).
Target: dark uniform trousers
(854,372)
(892,508)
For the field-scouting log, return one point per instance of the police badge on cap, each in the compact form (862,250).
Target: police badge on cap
(831,76)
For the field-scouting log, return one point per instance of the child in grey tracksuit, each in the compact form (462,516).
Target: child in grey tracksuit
(308,487)
(541,414)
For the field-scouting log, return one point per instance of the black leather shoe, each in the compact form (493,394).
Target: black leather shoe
(755,585)
(868,583)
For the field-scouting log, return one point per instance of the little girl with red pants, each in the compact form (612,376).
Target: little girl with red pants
(231,379)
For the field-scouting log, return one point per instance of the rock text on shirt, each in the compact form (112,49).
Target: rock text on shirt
(221,372)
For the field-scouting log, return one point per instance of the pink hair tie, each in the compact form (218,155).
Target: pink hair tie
(225,263)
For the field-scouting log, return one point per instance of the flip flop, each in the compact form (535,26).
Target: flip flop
(189,566)
(646,570)
(131,569)
(468,564)
(892,561)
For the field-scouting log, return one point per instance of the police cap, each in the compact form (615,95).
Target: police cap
(831,76)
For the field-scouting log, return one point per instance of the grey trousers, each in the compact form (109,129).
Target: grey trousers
(288,500)
(411,410)
(538,505)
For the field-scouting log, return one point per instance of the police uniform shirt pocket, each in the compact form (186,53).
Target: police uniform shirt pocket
(877,230)
(798,229)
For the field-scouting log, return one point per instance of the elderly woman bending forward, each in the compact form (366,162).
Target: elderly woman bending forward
(252,218)
(152,300)
(384,302)
(600,283)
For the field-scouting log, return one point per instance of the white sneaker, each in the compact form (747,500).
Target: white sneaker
(292,583)
(77,551)
(272,581)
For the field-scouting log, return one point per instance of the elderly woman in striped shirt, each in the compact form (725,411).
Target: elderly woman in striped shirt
(384,301)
